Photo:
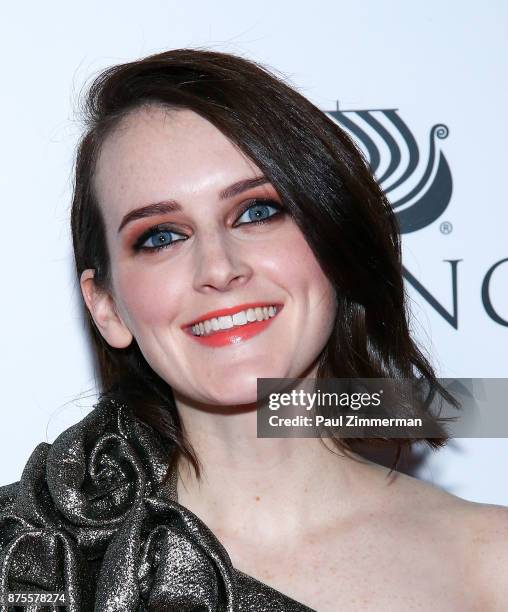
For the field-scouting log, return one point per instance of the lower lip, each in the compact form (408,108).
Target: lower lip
(234,335)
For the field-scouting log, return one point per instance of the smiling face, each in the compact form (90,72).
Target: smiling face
(200,250)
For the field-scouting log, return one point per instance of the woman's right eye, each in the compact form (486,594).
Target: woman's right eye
(157,238)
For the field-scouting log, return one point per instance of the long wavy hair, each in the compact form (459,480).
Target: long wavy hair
(322,179)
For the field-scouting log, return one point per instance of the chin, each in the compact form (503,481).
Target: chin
(238,389)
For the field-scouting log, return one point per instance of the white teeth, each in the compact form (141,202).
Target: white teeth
(240,318)
(225,322)
(260,313)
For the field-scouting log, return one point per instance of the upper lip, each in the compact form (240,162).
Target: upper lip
(222,312)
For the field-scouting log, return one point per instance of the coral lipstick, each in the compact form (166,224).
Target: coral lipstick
(223,312)
(236,334)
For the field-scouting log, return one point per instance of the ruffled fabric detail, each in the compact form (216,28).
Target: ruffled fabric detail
(93,517)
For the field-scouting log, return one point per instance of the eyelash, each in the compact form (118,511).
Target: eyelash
(158,229)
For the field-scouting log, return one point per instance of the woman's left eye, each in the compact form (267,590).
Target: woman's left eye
(259,211)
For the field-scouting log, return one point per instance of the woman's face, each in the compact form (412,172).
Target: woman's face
(170,179)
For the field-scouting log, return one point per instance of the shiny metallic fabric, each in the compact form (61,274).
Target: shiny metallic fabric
(92,516)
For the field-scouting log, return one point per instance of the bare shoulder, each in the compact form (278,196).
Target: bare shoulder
(475,534)
(487,526)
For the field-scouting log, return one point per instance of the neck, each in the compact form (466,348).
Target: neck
(265,488)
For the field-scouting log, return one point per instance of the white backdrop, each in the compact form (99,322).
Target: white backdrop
(435,62)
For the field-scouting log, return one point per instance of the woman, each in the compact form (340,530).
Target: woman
(226,230)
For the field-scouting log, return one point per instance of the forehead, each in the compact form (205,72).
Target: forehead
(158,154)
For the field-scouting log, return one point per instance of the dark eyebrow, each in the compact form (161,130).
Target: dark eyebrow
(161,208)
(240,186)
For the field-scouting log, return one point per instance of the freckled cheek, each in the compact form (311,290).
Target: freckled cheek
(300,264)
(306,274)
(149,299)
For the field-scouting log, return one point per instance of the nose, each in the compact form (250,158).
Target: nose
(220,264)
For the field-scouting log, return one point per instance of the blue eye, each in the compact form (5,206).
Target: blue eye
(157,238)
(259,211)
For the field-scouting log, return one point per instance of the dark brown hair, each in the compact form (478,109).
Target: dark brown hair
(322,179)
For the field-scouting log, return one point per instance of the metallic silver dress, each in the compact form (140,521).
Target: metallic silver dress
(92,517)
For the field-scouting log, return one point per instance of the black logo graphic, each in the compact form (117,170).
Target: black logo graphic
(380,134)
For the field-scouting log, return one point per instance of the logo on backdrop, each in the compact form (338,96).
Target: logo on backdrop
(418,191)
(394,157)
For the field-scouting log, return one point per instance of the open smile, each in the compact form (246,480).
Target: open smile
(232,325)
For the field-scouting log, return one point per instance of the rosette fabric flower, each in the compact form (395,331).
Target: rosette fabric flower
(93,516)
(57,521)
